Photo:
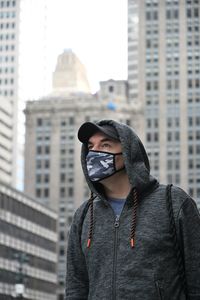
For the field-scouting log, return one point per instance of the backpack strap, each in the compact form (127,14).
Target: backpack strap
(177,246)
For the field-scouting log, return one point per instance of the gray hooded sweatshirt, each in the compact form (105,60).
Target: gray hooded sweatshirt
(110,269)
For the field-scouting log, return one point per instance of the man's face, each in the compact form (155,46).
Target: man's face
(101,142)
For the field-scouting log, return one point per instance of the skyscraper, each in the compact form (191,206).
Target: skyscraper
(9,50)
(6,139)
(19,33)
(163,76)
(52,153)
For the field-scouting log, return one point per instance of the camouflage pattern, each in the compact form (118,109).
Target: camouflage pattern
(100,165)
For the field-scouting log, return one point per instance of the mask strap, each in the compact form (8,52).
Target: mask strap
(120,153)
(114,162)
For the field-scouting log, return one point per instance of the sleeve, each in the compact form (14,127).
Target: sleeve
(189,228)
(76,272)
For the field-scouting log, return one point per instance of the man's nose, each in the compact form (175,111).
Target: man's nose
(94,148)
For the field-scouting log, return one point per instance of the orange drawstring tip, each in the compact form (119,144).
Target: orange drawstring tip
(132,243)
(88,243)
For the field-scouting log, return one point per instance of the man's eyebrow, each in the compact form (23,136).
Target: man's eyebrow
(106,140)
(102,140)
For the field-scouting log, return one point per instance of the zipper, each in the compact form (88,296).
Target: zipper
(116,227)
(158,290)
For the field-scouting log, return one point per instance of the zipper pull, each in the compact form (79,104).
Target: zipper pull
(116,224)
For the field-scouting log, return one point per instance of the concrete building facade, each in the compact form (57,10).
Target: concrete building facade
(163,76)
(28,247)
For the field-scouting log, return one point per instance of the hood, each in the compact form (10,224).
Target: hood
(135,159)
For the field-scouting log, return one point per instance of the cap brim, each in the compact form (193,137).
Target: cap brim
(88,129)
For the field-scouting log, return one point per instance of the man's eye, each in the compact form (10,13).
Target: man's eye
(106,145)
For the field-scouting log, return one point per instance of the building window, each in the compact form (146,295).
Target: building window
(148,15)
(63,163)
(46,178)
(39,122)
(156,137)
(148,85)
(62,151)
(62,236)
(71,151)
(62,192)
(190,83)
(69,221)
(39,150)
(169,136)
(196,12)
(71,120)
(38,164)
(111,89)
(46,164)
(46,192)
(71,191)
(177,136)
(38,178)
(47,149)
(62,177)
(189,13)
(62,251)
(190,149)
(63,123)
(169,164)
(190,164)
(149,137)
(38,193)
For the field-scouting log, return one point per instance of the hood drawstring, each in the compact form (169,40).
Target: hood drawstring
(133,220)
(91,207)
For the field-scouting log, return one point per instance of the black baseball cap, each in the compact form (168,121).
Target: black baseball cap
(87,129)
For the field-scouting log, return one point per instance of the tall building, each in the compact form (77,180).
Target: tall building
(6,134)
(69,75)
(9,51)
(52,151)
(28,247)
(19,33)
(164,77)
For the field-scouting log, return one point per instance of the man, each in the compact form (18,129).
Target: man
(127,242)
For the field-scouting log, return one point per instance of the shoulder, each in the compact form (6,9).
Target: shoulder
(183,203)
(179,197)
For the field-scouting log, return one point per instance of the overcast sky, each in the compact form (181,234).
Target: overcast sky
(96,30)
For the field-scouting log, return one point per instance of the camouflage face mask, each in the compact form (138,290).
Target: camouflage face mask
(101,165)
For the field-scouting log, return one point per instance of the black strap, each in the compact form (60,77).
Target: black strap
(177,245)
